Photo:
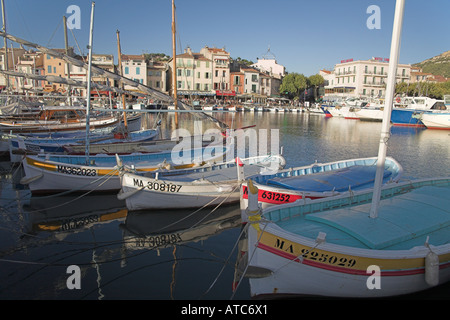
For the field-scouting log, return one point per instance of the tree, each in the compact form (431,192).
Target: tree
(316,80)
(293,84)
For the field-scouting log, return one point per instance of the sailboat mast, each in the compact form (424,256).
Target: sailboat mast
(6,44)
(174,71)
(119,60)
(66,44)
(389,99)
(88,90)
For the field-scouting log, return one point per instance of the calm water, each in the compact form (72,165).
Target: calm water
(163,254)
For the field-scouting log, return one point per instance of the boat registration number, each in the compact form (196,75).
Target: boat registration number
(77,171)
(157,186)
(272,197)
(158,241)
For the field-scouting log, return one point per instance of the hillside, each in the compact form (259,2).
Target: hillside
(438,65)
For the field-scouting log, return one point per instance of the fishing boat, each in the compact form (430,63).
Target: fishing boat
(386,241)
(47,173)
(331,247)
(21,144)
(193,188)
(320,180)
(55,118)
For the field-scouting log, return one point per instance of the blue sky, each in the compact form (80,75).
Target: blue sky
(304,36)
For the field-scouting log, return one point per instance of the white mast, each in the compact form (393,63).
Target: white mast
(88,90)
(390,90)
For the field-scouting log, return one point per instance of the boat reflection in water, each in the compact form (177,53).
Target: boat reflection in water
(73,213)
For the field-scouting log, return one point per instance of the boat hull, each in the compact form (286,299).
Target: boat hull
(313,277)
(67,173)
(332,248)
(269,195)
(404,117)
(439,121)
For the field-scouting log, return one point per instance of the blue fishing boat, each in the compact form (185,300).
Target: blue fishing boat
(320,180)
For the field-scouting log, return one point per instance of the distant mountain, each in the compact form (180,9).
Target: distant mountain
(438,65)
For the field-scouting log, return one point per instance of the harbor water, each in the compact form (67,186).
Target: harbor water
(175,255)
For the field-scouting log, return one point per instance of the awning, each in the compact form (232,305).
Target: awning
(194,93)
(225,93)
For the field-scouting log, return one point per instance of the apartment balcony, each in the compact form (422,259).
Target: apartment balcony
(375,84)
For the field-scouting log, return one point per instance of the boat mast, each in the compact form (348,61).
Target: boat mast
(389,99)
(120,70)
(88,91)
(66,43)
(174,71)
(6,45)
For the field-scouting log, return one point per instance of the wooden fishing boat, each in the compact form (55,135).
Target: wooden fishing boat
(58,119)
(193,188)
(62,145)
(45,173)
(386,241)
(320,180)
(331,247)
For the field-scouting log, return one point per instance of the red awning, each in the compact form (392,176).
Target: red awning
(225,93)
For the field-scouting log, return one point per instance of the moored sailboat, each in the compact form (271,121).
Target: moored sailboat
(388,241)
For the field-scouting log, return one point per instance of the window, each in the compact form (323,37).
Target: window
(198,64)
(48,57)
(54,69)
(198,75)
(207,75)
(207,64)
(179,72)
(138,70)
(188,73)
(217,73)
(366,69)
(150,73)
(254,88)
(254,77)
(49,69)
(375,69)
(158,84)
(127,70)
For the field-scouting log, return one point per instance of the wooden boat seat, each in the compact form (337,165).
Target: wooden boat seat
(412,215)
(339,180)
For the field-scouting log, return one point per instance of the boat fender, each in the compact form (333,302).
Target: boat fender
(26,180)
(431,267)
(321,237)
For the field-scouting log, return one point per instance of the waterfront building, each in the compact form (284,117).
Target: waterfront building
(31,63)
(54,66)
(157,75)
(134,67)
(361,78)
(13,55)
(220,60)
(270,65)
